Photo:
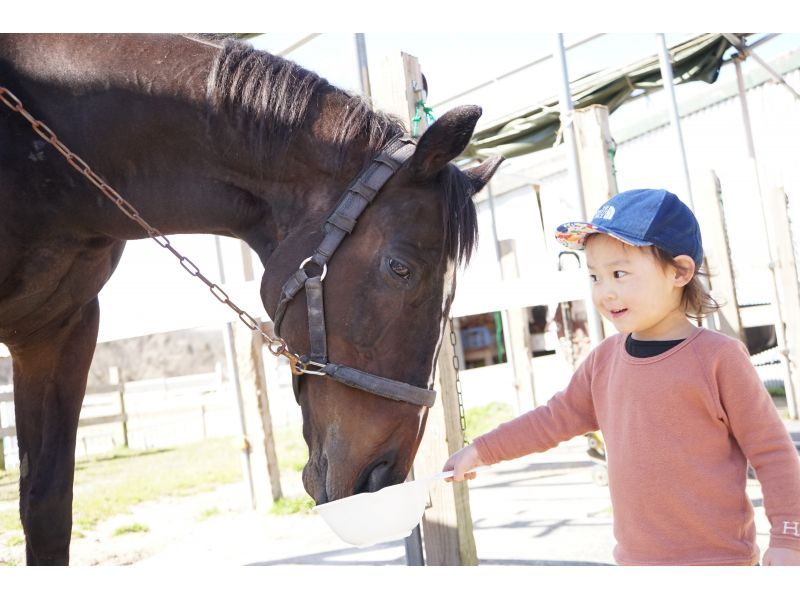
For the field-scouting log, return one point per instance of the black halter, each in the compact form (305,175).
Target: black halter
(339,224)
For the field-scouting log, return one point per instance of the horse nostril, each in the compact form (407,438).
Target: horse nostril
(380,476)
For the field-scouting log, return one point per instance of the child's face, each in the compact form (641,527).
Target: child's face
(632,290)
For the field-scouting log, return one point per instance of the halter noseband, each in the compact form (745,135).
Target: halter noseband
(339,224)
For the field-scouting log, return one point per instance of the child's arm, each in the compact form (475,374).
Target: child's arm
(766,443)
(568,414)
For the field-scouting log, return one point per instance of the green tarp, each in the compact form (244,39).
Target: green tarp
(533,129)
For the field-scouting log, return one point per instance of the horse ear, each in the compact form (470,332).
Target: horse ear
(443,141)
(479,175)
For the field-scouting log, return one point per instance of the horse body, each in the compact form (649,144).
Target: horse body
(230,141)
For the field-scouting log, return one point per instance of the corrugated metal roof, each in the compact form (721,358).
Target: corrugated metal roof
(532,129)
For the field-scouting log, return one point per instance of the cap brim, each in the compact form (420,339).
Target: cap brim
(573,235)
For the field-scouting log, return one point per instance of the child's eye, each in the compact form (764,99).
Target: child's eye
(592,277)
(619,273)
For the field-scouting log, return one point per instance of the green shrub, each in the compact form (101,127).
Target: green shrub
(486,417)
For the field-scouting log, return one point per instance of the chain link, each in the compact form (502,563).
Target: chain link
(277,346)
(457,368)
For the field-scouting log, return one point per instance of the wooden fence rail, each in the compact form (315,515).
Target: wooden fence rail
(117,388)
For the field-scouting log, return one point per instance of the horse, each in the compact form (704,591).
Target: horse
(195,136)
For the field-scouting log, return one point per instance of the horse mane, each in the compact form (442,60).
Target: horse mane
(273,97)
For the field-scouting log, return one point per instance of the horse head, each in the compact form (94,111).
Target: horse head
(387,294)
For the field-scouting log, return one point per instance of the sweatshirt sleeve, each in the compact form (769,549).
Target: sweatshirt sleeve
(766,443)
(567,414)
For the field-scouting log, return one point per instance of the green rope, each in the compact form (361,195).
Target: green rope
(429,118)
(612,152)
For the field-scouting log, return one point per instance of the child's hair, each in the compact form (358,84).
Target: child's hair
(696,301)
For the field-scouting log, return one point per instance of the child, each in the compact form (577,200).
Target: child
(681,408)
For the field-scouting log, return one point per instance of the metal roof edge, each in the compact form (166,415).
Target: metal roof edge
(718,93)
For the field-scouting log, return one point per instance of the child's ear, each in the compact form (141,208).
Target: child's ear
(685,270)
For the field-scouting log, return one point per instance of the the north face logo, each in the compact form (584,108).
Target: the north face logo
(606,213)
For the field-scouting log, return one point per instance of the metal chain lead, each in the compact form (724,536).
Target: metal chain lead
(277,346)
(457,368)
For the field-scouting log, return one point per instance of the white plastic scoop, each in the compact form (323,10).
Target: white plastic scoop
(388,514)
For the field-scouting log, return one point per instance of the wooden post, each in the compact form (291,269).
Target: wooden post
(258,442)
(263,458)
(780,237)
(266,417)
(115,377)
(598,179)
(519,346)
(2,442)
(447,523)
(716,247)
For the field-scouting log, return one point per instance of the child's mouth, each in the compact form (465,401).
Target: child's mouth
(616,313)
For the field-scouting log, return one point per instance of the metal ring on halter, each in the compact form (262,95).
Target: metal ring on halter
(324,267)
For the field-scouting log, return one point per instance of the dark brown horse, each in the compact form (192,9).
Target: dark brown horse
(224,139)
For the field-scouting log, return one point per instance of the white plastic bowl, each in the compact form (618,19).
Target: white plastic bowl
(374,517)
(389,514)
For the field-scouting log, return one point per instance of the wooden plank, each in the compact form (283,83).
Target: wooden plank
(779,225)
(447,523)
(517,336)
(102,419)
(595,148)
(716,247)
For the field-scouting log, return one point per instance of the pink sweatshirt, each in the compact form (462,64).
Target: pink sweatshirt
(679,429)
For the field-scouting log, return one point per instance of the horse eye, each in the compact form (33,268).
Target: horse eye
(400,269)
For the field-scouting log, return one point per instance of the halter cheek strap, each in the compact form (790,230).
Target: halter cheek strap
(337,226)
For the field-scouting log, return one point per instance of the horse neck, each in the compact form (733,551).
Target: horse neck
(135,109)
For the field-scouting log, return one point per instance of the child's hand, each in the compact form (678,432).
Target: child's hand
(462,462)
(778,556)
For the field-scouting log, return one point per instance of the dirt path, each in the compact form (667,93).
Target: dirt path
(217,525)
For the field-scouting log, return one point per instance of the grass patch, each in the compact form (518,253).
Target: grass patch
(292,506)
(208,514)
(291,448)
(486,417)
(111,484)
(9,521)
(15,540)
(133,528)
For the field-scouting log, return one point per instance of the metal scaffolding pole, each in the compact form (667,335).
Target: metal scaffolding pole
(595,324)
(363,65)
(675,119)
(747,51)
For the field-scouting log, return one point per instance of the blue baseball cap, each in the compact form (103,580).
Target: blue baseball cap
(641,217)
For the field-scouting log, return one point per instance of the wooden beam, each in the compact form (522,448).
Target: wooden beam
(258,433)
(447,523)
(517,336)
(596,150)
(780,237)
(707,195)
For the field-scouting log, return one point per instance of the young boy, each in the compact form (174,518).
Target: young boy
(681,408)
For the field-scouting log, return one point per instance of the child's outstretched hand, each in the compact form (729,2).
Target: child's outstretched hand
(462,462)
(779,556)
